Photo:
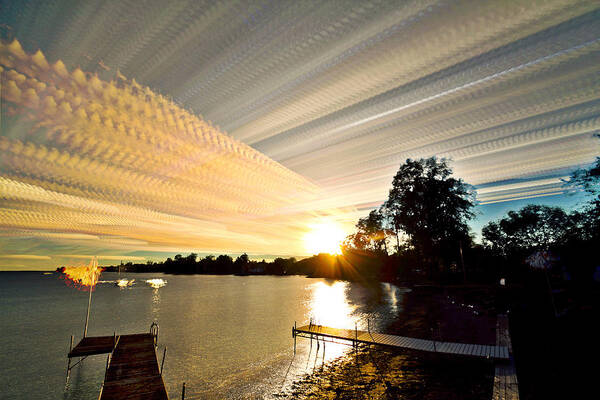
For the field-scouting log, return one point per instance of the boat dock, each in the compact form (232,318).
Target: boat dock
(356,337)
(132,370)
(506,386)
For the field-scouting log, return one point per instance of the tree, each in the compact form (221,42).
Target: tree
(430,206)
(241,263)
(224,264)
(589,181)
(371,234)
(533,227)
(242,260)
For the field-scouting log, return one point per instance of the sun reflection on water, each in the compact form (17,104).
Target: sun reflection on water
(330,306)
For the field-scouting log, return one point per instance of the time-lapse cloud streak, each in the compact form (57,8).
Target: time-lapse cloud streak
(116,159)
(233,126)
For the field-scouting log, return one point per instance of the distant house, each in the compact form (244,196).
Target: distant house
(256,269)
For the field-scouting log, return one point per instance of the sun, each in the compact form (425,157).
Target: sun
(324,238)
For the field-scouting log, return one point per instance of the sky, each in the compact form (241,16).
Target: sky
(137,130)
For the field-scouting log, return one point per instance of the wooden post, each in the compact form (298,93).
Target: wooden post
(294,332)
(69,359)
(183,392)
(162,364)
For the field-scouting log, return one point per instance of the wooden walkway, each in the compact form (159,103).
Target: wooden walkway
(132,372)
(372,338)
(506,386)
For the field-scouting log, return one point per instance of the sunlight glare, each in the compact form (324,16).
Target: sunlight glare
(330,306)
(324,238)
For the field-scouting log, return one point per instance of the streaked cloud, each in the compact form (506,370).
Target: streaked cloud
(102,257)
(106,141)
(24,256)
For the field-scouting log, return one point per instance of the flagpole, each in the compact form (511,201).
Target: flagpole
(87,316)
(92,284)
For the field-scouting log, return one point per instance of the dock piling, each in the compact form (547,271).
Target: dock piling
(69,359)
(183,391)
(294,334)
(163,360)
(154,332)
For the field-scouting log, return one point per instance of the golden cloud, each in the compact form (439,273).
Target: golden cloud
(115,159)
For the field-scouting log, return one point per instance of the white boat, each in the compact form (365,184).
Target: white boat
(123,283)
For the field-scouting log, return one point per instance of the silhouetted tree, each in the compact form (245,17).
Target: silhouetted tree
(241,264)
(533,227)
(371,233)
(224,264)
(357,240)
(242,259)
(589,181)
(431,207)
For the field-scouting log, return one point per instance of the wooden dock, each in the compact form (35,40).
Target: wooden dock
(133,371)
(356,337)
(132,366)
(89,346)
(506,386)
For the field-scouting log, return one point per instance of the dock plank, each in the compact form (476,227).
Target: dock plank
(133,371)
(93,345)
(506,386)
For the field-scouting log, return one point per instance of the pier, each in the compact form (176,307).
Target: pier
(132,370)
(506,386)
(356,337)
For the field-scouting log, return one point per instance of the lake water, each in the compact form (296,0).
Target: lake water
(226,336)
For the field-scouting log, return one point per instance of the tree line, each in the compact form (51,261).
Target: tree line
(423,227)
(421,232)
(352,265)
